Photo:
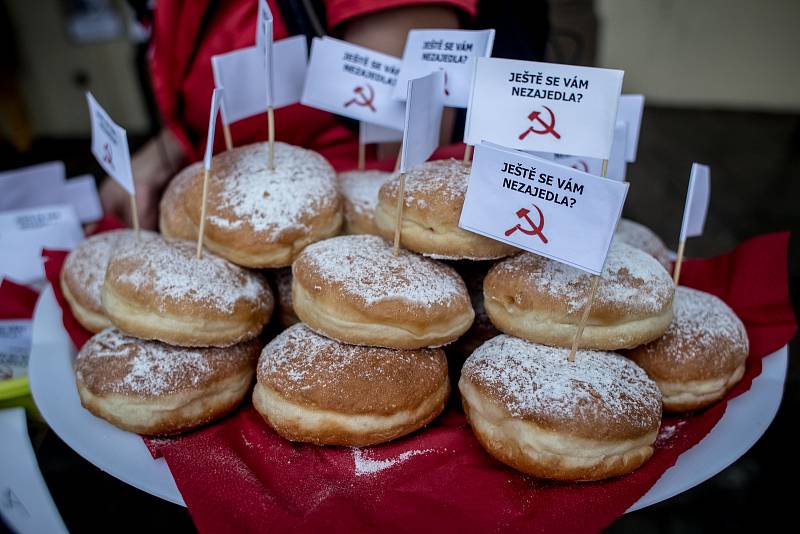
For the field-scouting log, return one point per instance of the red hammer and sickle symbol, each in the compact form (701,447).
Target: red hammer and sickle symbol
(107,154)
(536,230)
(547,127)
(361,98)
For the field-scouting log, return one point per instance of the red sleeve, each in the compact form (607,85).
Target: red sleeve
(339,11)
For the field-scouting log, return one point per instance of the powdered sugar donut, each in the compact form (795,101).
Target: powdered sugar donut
(262,218)
(360,193)
(314,389)
(542,300)
(593,418)
(84,272)
(355,290)
(282,279)
(173,221)
(702,354)
(434,196)
(641,237)
(158,289)
(153,388)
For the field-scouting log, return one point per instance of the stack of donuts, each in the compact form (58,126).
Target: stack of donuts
(360,359)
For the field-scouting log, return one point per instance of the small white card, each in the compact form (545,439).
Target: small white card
(542,207)
(630,111)
(353,81)
(264,46)
(423,119)
(241,74)
(697,199)
(27,232)
(546,107)
(110,145)
(81,193)
(372,133)
(15,346)
(216,98)
(451,51)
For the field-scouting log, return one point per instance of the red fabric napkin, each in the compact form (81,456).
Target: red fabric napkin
(238,476)
(16,301)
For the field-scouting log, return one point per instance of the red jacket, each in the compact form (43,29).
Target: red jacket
(187,33)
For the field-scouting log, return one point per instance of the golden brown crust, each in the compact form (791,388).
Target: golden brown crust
(352,288)
(173,221)
(157,289)
(541,300)
(262,218)
(434,197)
(314,389)
(695,360)
(359,191)
(153,388)
(310,369)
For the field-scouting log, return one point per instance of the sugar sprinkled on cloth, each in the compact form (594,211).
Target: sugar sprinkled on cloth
(368,466)
(365,267)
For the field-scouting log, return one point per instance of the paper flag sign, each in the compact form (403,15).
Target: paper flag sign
(547,107)
(372,133)
(697,198)
(110,145)
(629,111)
(423,119)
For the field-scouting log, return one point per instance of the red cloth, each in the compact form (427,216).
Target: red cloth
(16,301)
(239,476)
(188,32)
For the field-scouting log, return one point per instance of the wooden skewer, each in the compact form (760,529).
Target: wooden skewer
(676,272)
(226,130)
(271,128)
(468,154)
(201,232)
(362,156)
(135,215)
(398,222)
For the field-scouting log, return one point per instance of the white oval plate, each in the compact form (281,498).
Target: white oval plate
(124,455)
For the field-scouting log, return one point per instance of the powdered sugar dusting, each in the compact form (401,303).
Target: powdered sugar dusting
(172,271)
(153,368)
(365,267)
(631,278)
(641,237)
(446,179)
(368,466)
(271,200)
(360,188)
(86,265)
(704,320)
(533,380)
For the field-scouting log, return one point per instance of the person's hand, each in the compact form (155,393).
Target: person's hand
(153,166)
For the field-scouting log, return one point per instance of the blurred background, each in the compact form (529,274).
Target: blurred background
(722,85)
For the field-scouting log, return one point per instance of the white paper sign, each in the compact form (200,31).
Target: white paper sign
(542,207)
(616,162)
(372,133)
(216,98)
(46,185)
(697,198)
(241,74)
(629,111)
(110,145)
(15,346)
(451,51)
(27,232)
(353,81)
(547,107)
(423,119)
(264,47)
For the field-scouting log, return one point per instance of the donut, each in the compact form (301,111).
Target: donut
(283,289)
(313,389)
(593,418)
(359,191)
(157,389)
(158,289)
(482,329)
(261,218)
(700,357)
(641,237)
(84,272)
(173,221)
(355,290)
(434,196)
(542,300)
